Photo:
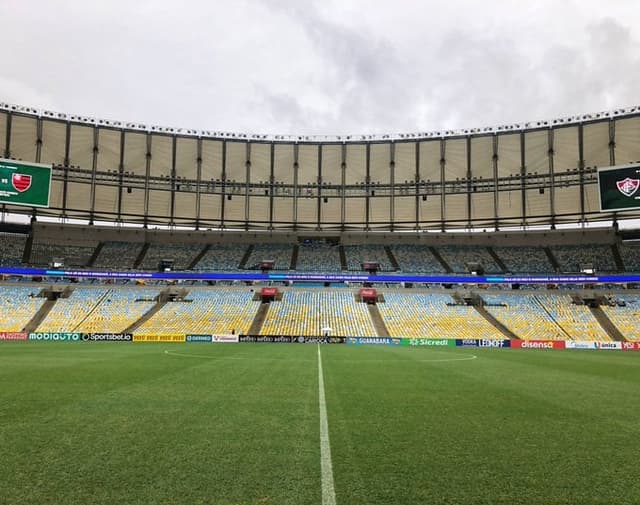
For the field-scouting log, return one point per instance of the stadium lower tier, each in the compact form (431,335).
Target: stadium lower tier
(318,311)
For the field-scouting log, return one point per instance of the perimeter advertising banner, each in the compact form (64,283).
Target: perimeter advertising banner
(429,342)
(56,336)
(199,338)
(619,187)
(160,337)
(281,339)
(482,342)
(537,344)
(580,344)
(319,340)
(263,339)
(225,339)
(107,337)
(11,335)
(373,341)
(24,183)
(610,346)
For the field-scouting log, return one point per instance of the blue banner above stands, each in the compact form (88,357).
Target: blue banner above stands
(338,277)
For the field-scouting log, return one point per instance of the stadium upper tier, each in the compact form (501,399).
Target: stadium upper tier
(535,173)
(600,251)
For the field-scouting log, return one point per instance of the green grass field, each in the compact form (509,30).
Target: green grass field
(123,423)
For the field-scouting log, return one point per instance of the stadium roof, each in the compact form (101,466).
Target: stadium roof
(355,137)
(537,173)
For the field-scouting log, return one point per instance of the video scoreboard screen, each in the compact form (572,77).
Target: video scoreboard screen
(24,183)
(619,187)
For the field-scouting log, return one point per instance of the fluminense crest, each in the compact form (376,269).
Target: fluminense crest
(628,186)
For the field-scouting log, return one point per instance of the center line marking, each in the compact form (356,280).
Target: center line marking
(326,468)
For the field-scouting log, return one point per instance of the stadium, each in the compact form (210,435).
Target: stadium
(429,257)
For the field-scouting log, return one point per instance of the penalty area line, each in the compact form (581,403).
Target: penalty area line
(326,467)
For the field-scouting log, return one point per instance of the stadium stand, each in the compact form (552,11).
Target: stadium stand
(118,255)
(625,315)
(42,253)
(573,258)
(318,257)
(458,257)
(182,255)
(218,311)
(416,259)
(524,259)
(524,315)
(304,311)
(68,313)
(17,306)
(222,257)
(630,256)
(117,310)
(11,248)
(424,315)
(280,253)
(356,254)
(576,320)
(308,312)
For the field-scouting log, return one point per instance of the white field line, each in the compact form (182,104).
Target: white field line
(385,360)
(326,468)
(392,360)
(239,358)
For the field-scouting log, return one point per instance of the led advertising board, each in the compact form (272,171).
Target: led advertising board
(24,183)
(619,187)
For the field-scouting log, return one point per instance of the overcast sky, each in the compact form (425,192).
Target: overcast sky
(321,67)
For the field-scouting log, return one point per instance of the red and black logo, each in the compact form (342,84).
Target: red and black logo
(21,182)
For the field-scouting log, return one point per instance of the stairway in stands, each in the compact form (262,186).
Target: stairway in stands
(96,253)
(141,255)
(495,323)
(39,316)
(376,319)
(441,260)
(245,257)
(161,302)
(617,257)
(52,295)
(258,319)
(392,259)
(552,259)
(344,266)
(198,257)
(498,261)
(294,257)
(607,325)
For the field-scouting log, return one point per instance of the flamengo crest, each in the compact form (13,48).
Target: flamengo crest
(628,186)
(22,182)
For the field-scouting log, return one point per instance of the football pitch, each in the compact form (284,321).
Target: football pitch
(301,424)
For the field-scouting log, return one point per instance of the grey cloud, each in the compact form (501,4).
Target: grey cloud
(306,67)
